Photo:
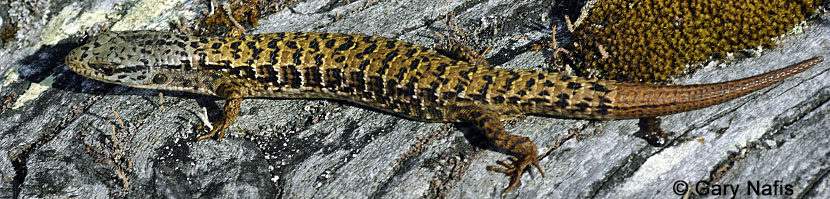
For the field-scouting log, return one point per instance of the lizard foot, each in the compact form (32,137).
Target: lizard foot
(523,150)
(459,51)
(515,168)
(219,128)
(231,112)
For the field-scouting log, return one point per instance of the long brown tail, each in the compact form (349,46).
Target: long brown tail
(636,101)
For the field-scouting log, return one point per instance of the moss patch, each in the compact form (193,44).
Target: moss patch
(653,40)
(246,12)
(9,33)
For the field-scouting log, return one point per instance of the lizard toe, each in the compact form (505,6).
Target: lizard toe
(515,169)
(218,130)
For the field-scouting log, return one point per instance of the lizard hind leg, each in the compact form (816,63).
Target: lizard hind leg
(459,51)
(524,151)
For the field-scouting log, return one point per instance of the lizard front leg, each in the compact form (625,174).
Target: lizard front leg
(524,151)
(233,101)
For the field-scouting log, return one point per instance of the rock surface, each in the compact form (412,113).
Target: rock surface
(67,136)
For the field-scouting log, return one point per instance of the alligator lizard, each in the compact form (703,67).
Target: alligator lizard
(387,75)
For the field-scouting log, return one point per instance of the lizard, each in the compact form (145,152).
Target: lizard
(389,75)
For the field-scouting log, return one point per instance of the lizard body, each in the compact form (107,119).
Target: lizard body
(388,75)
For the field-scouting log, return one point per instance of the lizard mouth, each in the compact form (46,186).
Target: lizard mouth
(80,61)
(75,62)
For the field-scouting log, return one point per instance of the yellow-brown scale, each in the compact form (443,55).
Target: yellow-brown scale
(388,75)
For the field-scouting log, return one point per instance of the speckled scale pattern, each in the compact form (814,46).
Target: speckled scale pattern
(388,75)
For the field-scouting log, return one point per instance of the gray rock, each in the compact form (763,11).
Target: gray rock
(69,136)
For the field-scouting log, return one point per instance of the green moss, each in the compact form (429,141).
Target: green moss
(652,40)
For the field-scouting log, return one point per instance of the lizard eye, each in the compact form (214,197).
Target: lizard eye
(159,79)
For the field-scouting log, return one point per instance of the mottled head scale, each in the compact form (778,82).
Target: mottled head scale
(104,59)
(139,59)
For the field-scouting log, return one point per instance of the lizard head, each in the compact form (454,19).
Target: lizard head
(140,59)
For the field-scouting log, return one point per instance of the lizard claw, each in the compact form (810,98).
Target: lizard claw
(231,112)
(515,169)
(505,164)
(219,127)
